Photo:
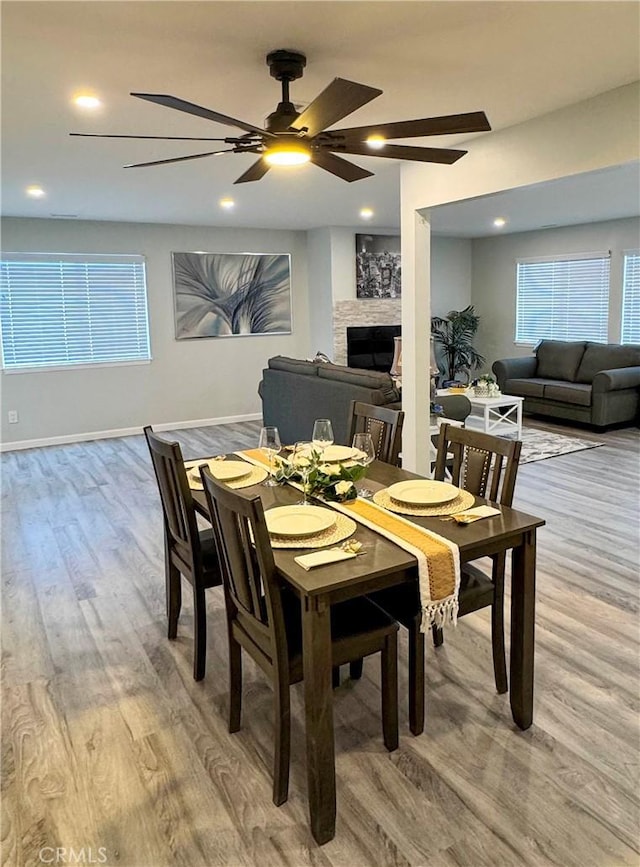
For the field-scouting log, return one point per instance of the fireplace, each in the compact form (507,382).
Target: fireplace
(371,346)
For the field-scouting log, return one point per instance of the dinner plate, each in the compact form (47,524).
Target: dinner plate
(223,471)
(298,520)
(423,492)
(338,453)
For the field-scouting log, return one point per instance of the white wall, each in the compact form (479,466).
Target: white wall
(450,274)
(187,380)
(493,292)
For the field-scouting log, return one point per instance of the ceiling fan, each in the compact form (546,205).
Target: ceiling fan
(293,137)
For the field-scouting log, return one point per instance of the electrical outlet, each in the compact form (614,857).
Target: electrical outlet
(13,416)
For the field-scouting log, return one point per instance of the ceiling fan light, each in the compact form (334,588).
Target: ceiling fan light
(287,153)
(376,142)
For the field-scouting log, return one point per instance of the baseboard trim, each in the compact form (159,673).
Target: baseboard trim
(125,432)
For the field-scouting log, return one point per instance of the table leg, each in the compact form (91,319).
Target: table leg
(318,699)
(519,419)
(523,610)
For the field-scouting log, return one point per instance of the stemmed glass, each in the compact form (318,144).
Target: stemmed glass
(270,444)
(301,460)
(363,442)
(322,436)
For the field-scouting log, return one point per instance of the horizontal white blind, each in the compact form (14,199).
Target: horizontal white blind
(631,299)
(62,310)
(563,298)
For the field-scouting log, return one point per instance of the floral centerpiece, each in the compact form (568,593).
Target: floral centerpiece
(485,386)
(334,482)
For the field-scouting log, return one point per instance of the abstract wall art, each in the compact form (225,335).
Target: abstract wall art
(378,272)
(231,294)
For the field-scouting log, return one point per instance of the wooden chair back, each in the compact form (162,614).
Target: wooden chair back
(252,592)
(177,504)
(384,425)
(483,464)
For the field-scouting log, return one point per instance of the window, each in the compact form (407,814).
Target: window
(631,298)
(59,310)
(563,298)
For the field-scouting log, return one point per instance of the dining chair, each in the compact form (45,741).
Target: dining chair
(384,425)
(264,619)
(188,551)
(486,466)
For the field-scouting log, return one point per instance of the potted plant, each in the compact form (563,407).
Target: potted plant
(454,334)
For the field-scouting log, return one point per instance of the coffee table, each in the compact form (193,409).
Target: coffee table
(496,415)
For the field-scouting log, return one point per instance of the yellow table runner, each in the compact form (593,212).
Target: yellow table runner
(438,558)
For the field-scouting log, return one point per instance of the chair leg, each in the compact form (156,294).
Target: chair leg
(355,669)
(416,679)
(389,689)
(497,626)
(200,632)
(173,583)
(282,741)
(335,676)
(235,684)
(438,636)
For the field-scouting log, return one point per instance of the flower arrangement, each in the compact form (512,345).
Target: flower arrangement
(332,482)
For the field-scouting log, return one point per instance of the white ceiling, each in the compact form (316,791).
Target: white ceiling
(514,60)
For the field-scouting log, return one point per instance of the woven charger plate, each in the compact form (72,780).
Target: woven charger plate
(463,501)
(341,530)
(257,475)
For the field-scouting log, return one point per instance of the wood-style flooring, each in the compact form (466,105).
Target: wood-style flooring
(111,752)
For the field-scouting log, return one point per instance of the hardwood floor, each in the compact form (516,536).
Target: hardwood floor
(110,747)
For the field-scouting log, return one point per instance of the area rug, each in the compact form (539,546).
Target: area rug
(538,445)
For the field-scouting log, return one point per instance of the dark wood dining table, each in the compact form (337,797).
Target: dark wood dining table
(384,565)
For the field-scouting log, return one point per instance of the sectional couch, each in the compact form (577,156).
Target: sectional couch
(595,383)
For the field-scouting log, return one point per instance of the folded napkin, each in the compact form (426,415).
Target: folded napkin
(322,558)
(475,514)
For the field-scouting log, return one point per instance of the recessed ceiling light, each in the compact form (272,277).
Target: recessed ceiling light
(366,213)
(227,204)
(86,100)
(499,222)
(376,142)
(35,191)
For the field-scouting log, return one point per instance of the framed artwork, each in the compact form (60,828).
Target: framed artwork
(378,272)
(231,294)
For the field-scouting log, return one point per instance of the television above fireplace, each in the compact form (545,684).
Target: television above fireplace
(371,346)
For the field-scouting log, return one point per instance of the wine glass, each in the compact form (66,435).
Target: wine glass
(270,444)
(322,436)
(363,442)
(301,460)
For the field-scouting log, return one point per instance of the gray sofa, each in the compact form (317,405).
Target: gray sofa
(294,393)
(595,383)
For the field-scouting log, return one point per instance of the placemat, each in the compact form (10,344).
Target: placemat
(463,501)
(341,530)
(257,475)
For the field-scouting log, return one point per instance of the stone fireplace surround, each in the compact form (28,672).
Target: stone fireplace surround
(366,311)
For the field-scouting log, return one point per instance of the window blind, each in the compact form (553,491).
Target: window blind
(563,298)
(58,310)
(631,298)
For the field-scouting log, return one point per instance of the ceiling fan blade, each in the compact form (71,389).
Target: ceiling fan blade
(254,172)
(337,166)
(199,111)
(474,121)
(404,152)
(336,101)
(228,140)
(178,159)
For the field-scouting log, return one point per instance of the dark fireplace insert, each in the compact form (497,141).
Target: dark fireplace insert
(371,346)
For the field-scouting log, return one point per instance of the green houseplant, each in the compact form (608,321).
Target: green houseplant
(454,334)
